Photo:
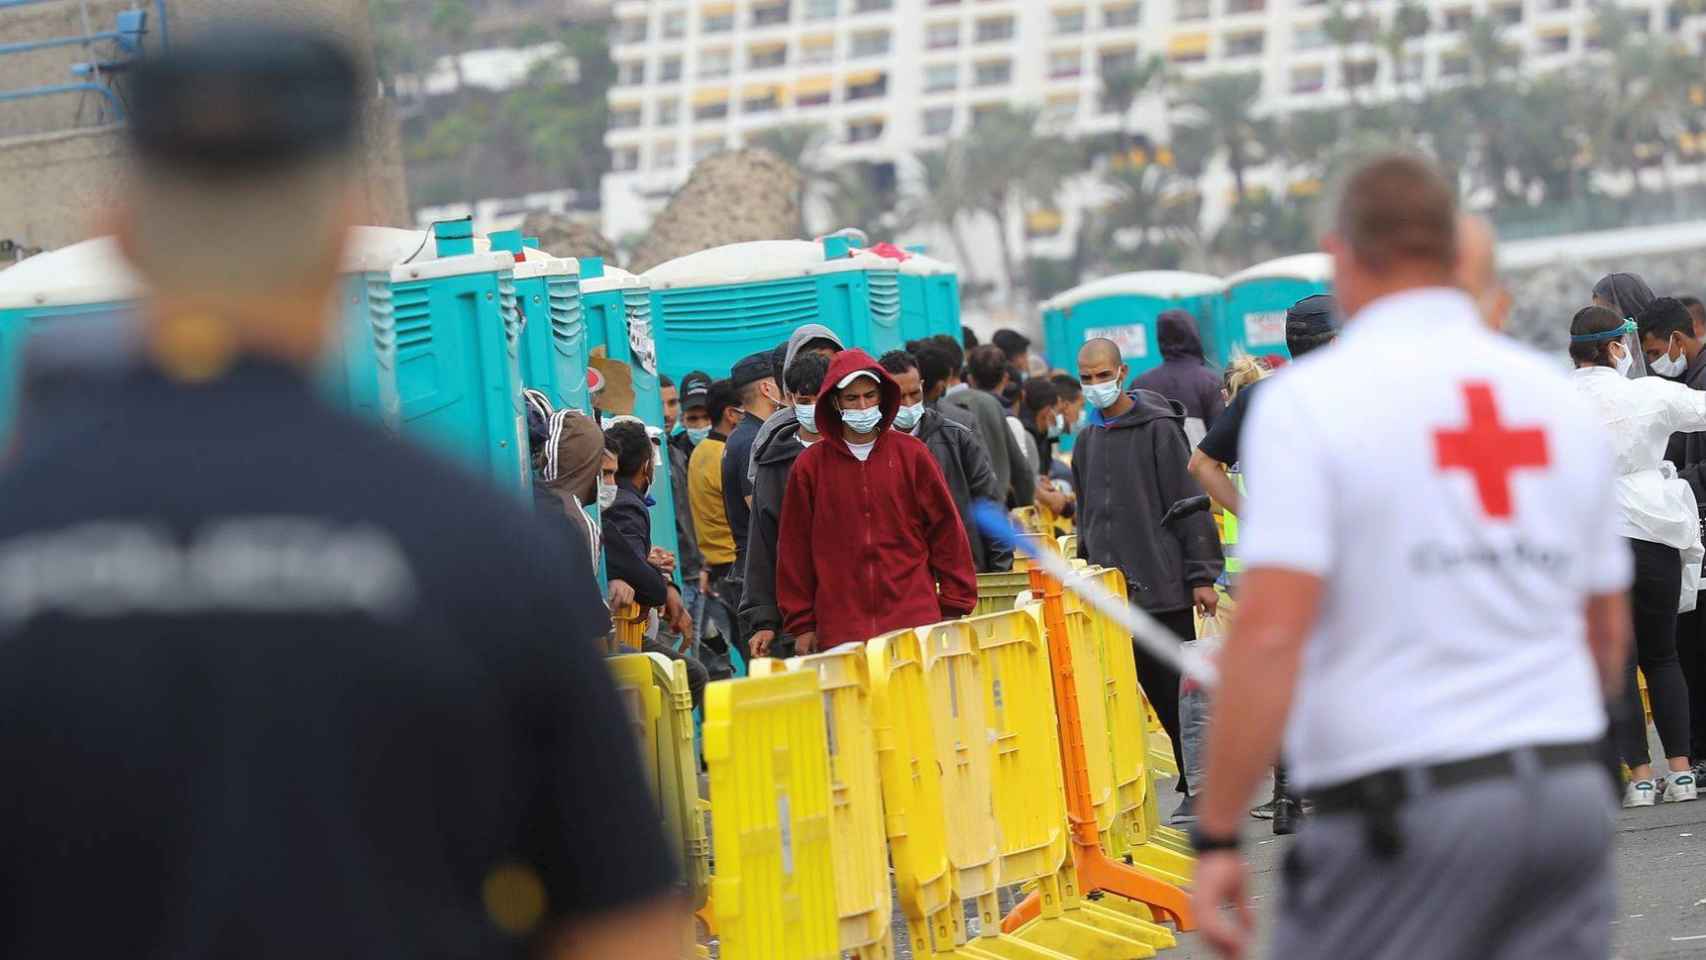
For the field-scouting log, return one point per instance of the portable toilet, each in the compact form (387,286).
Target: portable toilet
(454,351)
(929,297)
(87,279)
(553,334)
(350,374)
(618,309)
(1123,308)
(719,305)
(1256,301)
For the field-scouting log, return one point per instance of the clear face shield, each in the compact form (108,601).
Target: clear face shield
(1627,356)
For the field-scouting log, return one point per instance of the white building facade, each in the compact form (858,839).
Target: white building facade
(889,78)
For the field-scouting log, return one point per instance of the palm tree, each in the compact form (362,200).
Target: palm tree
(1221,106)
(1009,163)
(1121,89)
(453,21)
(1346,31)
(801,146)
(942,202)
(1152,205)
(1409,22)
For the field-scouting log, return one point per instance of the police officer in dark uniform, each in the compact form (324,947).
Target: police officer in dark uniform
(272,683)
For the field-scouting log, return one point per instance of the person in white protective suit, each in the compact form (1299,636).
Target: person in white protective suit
(1659,516)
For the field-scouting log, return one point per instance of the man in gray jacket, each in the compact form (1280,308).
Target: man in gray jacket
(1128,470)
(807,338)
(957,450)
(774,455)
(988,368)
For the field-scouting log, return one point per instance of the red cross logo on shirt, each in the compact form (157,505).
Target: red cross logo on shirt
(1489,450)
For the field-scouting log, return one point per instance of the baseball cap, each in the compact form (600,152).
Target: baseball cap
(695,390)
(752,368)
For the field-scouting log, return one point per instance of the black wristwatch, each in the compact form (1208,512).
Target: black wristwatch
(1209,843)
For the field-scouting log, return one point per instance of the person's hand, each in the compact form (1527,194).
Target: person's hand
(704,581)
(761,642)
(1223,911)
(661,560)
(1055,502)
(621,594)
(676,617)
(1206,599)
(806,642)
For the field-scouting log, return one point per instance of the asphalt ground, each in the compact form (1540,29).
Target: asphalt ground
(1661,885)
(1660,855)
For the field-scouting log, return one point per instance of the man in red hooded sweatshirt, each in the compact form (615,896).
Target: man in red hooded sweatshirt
(870,539)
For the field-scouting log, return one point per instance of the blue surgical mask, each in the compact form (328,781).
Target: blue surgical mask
(806,413)
(1083,419)
(863,421)
(1102,395)
(697,435)
(908,416)
(606,495)
(1058,427)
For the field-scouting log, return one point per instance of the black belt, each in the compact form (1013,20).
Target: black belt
(1379,795)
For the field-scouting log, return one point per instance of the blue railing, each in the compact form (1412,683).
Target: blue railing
(124,44)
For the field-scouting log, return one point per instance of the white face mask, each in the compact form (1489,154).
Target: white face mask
(908,416)
(1666,366)
(1102,395)
(606,495)
(806,413)
(1623,363)
(1058,427)
(863,421)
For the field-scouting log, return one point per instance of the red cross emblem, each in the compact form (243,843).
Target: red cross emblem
(1489,450)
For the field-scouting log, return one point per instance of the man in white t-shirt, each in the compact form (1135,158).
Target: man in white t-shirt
(1434,598)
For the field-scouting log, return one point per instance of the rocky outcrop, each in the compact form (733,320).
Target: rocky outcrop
(729,198)
(562,236)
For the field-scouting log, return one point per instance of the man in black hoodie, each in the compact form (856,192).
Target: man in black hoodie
(1667,326)
(1127,470)
(957,450)
(1184,375)
(773,457)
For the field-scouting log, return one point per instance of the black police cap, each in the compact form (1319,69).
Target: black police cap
(752,368)
(242,96)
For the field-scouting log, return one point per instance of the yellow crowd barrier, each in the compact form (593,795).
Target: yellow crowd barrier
(1006,749)
(856,802)
(1138,833)
(998,591)
(654,690)
(629,619)
(773,892)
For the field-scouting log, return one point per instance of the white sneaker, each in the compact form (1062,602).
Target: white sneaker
(1640,793)
(1681,788)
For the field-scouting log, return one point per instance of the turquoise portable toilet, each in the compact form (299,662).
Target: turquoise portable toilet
(351,372)
(1257,299)
(929,298)
(618,309)
(1123,309)
(718,305)
(454,355)
(553,335)
(84,279)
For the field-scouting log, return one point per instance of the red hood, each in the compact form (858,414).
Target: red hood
(829,417)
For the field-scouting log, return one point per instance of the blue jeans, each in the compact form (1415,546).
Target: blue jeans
(710,613)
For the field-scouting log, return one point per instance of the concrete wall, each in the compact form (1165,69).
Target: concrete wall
(56,169)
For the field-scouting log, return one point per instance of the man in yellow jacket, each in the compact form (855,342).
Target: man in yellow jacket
(710,517)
